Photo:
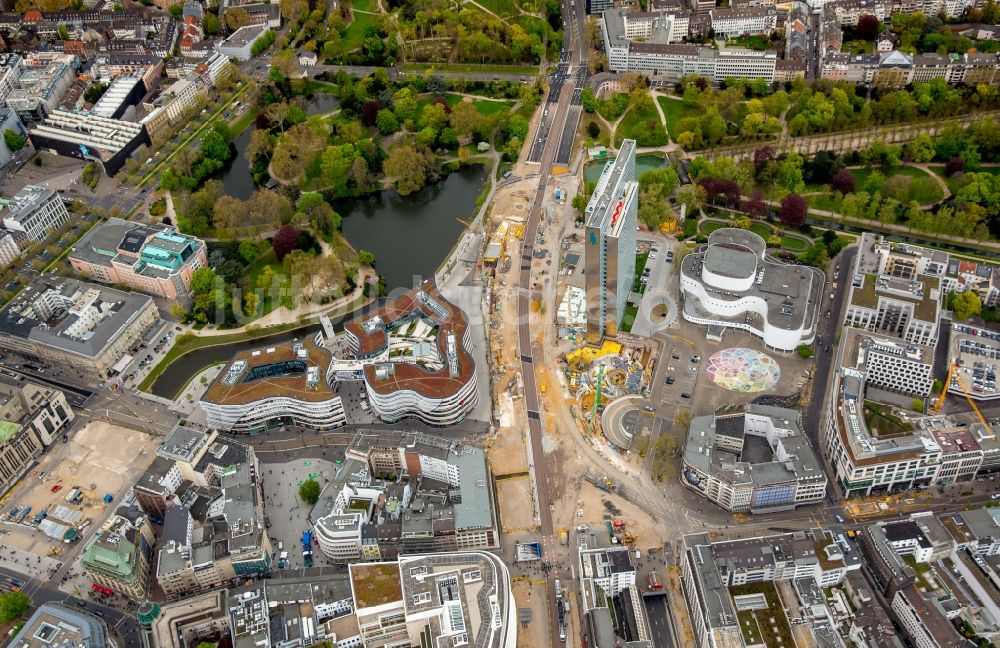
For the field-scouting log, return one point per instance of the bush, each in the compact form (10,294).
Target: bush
(805,351)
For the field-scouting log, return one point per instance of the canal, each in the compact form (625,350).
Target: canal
(410,237)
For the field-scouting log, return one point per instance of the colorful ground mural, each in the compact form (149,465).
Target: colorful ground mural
(743,370)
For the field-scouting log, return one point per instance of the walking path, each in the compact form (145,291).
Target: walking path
(301,312)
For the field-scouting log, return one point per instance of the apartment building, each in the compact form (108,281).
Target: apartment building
(119,557)
(724,461)
(154,259)
(33,213)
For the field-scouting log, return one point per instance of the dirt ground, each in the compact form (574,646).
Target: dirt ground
(528,594)
(596,504)
(514,494)
(507,455)
(100,458)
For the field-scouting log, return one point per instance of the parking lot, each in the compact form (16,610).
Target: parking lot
(680,375)
(100,459)
(289,515)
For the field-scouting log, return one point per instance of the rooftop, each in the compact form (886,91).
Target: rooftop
(386,373)
(53,625)
(376,584)
(75,316)
(291,369)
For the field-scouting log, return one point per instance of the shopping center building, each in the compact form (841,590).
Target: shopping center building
(271,386)
(731,282)
(412,355)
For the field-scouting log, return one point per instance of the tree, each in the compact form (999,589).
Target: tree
(805,351)
(13,139)
(202,281)
(13,605)
(249,251)
(386,122)
(284,241)
(236,17)
(867,28)
(966,304)
(793,210)
(843,181)
(409,168)
(954,165)
(215,146)
(465,119)
(250,303)
(211,24)
(366,258)
(309,491)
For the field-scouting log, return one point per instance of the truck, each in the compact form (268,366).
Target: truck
(307,540)
(74,496)
(282,560)
(564,536)
(307,558)
(654,583)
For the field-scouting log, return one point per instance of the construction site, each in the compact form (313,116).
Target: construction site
(74,487)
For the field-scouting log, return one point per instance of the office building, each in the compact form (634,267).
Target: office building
(33,213)
(662,55)
(755,461)
(32,417)
(75,325)
(154,259)
(9,249)
(119,555)
(609,255)
(240,44)
(109,142)
(927,626)
(55,625)
(213,535)
(123,93)
(9,121)
(413,356)
(723,579)
(272,386)
(731,282)
(404,492)
(896,290)
(739,21)
(39,88)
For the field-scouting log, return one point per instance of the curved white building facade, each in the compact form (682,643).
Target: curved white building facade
(732,283)
(413,356)
(259,415)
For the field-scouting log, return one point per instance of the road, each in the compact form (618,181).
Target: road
(658,613)
(124,625)
(827,335)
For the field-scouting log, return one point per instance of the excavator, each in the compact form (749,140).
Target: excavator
(936,407)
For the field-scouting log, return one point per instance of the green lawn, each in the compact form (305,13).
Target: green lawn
(472,67)
(858,47)
(268,261)
(355,32)
(768,626)
(954,183)
(502,8)
(364,5)
(882,422)
(794,243)
(924,190)
(826,202)
(629,318)
(675,110)
(761,229)
(751,42)
(640,264)
(485,107)
(644,126)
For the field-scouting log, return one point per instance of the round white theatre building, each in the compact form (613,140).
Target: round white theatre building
(731,282)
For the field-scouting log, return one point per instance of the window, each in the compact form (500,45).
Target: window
(421,598)
(472,576)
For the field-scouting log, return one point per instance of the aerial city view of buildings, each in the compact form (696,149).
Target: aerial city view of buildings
(654,324)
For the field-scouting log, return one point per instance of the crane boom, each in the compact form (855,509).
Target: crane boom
(987,430)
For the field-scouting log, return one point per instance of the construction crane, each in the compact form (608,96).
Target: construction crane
(936,407)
